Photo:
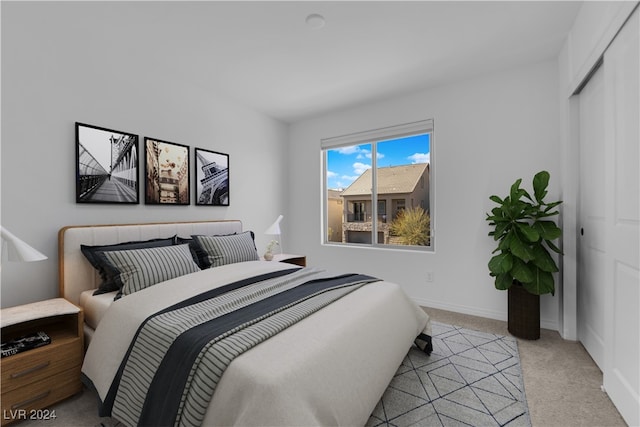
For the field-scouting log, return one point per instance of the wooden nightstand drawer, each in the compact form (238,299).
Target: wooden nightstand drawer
(39,377)
(34,365)
(40,394)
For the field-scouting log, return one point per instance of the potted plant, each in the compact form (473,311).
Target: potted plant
(523,263)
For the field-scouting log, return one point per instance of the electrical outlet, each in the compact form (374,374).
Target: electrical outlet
(429,276)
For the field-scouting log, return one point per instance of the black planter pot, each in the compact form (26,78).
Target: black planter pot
(524,313)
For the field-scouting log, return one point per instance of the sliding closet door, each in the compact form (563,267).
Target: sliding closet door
(622,227)
(609,220)
(592,287)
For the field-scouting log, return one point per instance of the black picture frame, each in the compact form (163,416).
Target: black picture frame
(167,175)
(107,165)
(211,178)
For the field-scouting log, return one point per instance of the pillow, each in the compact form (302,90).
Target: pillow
(104,268)
(140,268)
(228,249)
(199,256)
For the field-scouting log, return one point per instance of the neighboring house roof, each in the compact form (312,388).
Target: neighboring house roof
(333,194)
(392,179)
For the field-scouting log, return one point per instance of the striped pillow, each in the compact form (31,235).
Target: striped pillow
(228,249)
(141,268)
(100,263)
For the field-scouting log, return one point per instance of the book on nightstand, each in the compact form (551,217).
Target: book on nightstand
(24,343)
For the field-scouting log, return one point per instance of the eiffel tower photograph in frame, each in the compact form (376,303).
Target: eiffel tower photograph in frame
(212,178)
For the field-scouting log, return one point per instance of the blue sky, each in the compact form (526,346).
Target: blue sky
(346,164)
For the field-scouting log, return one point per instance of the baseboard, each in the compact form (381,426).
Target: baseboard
(474,311)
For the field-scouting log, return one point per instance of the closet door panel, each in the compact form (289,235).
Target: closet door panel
(592,237)
(622,202)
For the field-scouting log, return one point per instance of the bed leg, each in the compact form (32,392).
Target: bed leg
(429,348)
(424,343)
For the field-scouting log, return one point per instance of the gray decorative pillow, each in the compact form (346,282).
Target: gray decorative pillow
(100,263)
(141,268)
(228,249)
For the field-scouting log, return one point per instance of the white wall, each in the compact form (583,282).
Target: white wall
(489,131)
(68,62)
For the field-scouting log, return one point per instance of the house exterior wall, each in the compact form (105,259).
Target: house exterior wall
(394,203)
(420,194)
(351,227)
(334,217)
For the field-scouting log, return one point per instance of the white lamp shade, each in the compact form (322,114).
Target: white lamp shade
(274,229)
(19,250)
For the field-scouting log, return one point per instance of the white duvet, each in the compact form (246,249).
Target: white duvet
(329,369)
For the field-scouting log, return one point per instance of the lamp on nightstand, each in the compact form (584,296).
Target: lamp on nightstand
(274,230)
(19,250)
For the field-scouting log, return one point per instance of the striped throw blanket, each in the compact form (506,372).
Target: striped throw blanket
(179,354)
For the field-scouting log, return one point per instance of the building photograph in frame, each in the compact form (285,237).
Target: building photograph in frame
(106,165)
(166,172)
(212,178)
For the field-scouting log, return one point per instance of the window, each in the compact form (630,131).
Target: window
(399,207)
(379,183)
(382,211)
(359,211)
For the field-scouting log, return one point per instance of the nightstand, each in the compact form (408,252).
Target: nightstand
(300,260)
(37,378)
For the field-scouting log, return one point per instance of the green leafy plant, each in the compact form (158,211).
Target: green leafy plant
(524,233)
(412,226)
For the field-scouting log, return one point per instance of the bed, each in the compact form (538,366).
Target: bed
(317,371)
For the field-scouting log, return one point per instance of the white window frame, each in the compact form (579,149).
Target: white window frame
(373,137)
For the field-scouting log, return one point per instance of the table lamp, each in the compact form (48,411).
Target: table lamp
(19,250)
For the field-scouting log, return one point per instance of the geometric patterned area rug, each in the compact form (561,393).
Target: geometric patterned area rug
(470,379)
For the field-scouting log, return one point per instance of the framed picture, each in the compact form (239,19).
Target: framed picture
(106,165)
(167,173)
(212,178)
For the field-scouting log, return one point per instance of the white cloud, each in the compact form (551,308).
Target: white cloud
(353,149)
(331,174)
(362,153)
(359,168)
(420,158)
(368,155)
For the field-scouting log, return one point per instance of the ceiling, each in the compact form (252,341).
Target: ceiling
(264,55)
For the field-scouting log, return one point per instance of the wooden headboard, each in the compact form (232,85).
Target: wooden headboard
(77,275)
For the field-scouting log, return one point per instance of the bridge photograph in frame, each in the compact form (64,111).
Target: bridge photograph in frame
(106,165)
(212,178)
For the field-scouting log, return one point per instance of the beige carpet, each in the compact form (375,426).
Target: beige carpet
(471,378)
(562,383)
